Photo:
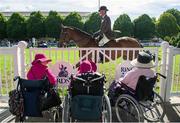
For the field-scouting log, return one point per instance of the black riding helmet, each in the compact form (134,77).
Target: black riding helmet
(103,8)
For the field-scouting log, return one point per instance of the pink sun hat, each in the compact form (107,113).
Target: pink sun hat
(41,58)
(87,66)
(93,65)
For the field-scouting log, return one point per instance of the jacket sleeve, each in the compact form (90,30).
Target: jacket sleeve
(51,77)
(30,75)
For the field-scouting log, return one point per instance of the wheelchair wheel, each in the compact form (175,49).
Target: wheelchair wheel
(66,110)
(106,112)
(55,116)
(153,110)
(128,109)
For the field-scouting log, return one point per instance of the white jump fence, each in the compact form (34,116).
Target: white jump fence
(17,61)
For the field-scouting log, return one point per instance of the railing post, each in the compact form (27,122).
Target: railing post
(169,72)
(16,61)
(164,46)
(22,45)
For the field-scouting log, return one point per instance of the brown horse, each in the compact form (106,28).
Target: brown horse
(83,39)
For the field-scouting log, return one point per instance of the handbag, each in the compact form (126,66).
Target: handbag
(16,102)
(50,99)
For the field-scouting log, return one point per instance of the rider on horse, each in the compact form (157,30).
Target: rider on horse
(105,33)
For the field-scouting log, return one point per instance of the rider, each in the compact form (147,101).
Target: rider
(105,27)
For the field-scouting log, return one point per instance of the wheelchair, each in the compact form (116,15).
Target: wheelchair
(140,104)
(86,100)
(32,92)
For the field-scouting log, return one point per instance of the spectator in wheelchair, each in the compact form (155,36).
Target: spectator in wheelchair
(40,70)
(87,66)
(142,66)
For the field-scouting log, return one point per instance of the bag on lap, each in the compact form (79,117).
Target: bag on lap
(50,99)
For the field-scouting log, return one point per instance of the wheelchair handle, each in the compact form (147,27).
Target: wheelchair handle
(161,75)
(80,79)
(16,78)
(101,77)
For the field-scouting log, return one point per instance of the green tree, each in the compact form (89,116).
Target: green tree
(2,26)
(175,40)
(53,24)
(167,25)
(178,44)
(176,14)
(124,24)
(154,19)
(16,27)
(74,20)
(93,23)
(144,28)
(35,25)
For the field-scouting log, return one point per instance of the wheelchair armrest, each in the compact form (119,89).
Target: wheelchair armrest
(16,78)
(127,87)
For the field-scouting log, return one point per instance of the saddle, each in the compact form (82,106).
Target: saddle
(105,40)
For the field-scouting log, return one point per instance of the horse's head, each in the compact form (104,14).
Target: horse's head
(65,34)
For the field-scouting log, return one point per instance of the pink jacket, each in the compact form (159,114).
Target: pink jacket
(39,71)
(131,77)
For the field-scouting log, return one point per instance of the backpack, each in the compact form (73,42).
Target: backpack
(16,102)
(144,88)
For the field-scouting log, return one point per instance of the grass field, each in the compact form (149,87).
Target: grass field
(7,67)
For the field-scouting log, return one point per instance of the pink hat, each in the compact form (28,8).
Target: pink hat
(87,66)
(84,67)
(93,65)
(41,58)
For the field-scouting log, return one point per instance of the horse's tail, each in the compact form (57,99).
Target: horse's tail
(140,44)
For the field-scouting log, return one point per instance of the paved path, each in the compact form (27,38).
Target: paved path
(172,112)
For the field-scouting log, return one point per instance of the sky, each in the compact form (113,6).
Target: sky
(133,8)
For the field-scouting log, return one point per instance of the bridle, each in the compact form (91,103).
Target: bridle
(65,35)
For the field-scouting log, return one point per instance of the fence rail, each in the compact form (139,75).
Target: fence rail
(17,61)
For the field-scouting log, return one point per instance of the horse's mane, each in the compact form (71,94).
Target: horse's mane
(81,31)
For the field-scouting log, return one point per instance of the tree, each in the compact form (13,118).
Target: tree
(175,40)
(175,13)
(93,23)
(154,19)
(53,24)
(167,25)
(2,26)
(144,28)
(35,25)
(74,20)
(16,27)
(124,24)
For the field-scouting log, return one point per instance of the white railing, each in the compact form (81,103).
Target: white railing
(14,62)
(11,64)
(74,56)
(170,67)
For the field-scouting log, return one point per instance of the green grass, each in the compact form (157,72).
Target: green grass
(107,68)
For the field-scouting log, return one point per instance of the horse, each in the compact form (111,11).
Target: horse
(84,40)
